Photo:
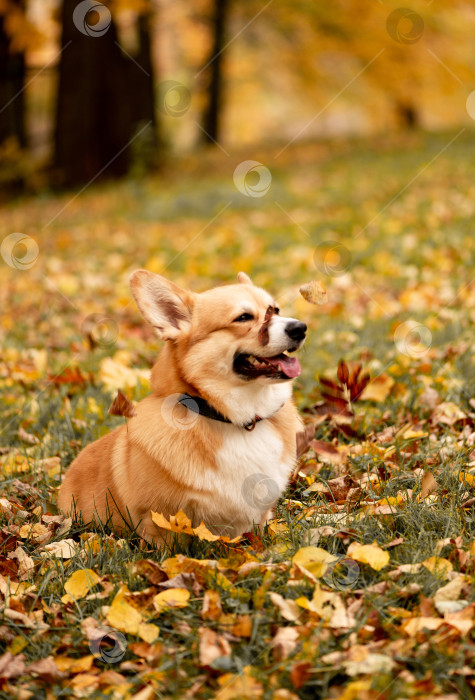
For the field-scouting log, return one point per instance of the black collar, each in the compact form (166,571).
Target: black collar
(199,405)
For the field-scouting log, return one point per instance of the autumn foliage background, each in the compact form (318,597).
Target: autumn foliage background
(120,151)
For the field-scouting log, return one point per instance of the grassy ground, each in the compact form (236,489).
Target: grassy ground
(387,492)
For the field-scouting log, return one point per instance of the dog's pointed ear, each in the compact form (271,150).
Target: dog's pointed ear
(243,278)
(163,304)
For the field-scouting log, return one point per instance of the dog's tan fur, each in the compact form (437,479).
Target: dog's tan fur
(168,458)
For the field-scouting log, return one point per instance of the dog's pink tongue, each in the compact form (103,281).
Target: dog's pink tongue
(290,366)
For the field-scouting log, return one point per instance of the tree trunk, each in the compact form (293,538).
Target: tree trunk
(12,95)
(104,105)
(213,114)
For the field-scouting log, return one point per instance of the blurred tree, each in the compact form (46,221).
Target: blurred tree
(12,72)
(213,110)
(105,104)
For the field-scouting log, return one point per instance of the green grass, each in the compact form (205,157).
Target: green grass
(414,261)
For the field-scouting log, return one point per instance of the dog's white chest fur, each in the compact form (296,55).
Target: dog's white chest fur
(252,473)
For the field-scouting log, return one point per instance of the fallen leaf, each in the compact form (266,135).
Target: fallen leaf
(79,584)
(212,646)
(284,642)
(288,608)
(171,598)
(64,549)
(371,554)
(313,561)
(428,485)
(378,389)
(439,566)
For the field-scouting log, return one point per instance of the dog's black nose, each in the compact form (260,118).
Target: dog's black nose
(296,330)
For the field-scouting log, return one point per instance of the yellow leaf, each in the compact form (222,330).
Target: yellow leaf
(378,388)
(17,644)
(74,665)
(171,598)
(203,533)
(148,632)
(34,532)
(122,615)
(371,554)
(313,561)
(438,566)
(467,478)
(181,524)
(239,686)
(417,624)
(79,584)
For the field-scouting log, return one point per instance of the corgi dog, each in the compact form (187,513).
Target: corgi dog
(217,436)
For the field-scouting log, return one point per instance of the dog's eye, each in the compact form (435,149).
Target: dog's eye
(243,317)
(276,310)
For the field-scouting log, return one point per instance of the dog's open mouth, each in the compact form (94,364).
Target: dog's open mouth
(280,366)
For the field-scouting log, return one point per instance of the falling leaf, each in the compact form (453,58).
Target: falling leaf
(314,292)
(122,406)
(371,554)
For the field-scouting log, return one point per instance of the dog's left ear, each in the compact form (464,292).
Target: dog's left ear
(163,304)
(243,278)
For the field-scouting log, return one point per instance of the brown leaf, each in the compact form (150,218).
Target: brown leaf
(211,609)
(122,406)
(314,292)
(428,485)
(150,570)
(46,669)
(212,646)
(327,452)
(12,666)
(304,439)
(342,372)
